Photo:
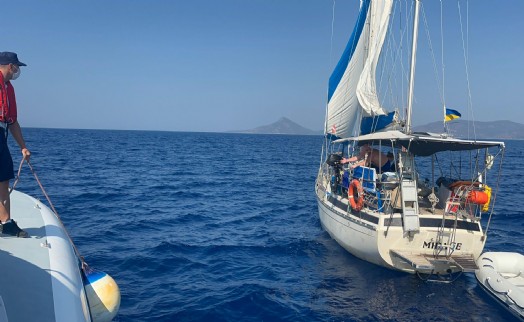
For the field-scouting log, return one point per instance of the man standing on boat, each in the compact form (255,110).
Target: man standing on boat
(9,70)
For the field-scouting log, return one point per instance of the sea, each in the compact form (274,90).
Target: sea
(225,227)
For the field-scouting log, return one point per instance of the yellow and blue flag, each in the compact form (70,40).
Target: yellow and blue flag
(451,115)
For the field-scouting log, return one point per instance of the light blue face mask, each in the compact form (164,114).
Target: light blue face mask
(16,74)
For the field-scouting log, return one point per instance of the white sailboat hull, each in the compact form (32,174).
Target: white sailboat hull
(357,238)
(368,236)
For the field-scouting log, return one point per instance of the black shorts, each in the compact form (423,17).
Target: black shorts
(6,162)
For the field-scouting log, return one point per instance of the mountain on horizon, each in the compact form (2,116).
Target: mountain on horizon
(500,130)
(282,126)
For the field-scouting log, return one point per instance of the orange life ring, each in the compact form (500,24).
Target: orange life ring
(356,195)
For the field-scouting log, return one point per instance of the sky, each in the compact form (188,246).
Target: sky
(222,65)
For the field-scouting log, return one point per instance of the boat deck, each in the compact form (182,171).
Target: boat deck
(38,272)
(425,262)
(25,285)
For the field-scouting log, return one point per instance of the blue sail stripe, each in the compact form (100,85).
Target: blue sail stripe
(338,72)
(372,124)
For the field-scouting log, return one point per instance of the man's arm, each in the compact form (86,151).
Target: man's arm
(362,162)
(16,132)
(352,159)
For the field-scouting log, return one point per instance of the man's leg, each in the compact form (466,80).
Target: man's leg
(7,226)
(5,206)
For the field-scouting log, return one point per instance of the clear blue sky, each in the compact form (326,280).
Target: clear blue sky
(221,65)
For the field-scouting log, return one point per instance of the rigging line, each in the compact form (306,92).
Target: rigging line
(332,32)
(432,55)
(392,54)
(385,74)
(385,55)
(404,69)
(442,63)
(470,103)
(329,66)
(467,28)
(398,57)
(439,165)
(409,17)
(388,55)
(494,199)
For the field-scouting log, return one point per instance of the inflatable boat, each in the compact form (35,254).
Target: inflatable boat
(43,278)
(501,274)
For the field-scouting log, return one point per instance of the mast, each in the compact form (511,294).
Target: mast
(412,68)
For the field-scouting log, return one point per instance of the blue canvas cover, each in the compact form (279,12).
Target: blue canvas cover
(368,176)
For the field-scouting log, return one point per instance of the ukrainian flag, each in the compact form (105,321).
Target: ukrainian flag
(451,115)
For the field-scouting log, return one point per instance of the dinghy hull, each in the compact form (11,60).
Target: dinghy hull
(501,275)
(40,276)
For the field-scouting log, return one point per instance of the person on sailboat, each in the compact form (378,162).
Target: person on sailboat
(369,156)
(9,70)
(392,166)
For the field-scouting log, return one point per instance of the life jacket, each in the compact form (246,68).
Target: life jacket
(7,102)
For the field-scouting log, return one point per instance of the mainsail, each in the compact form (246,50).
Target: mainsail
(352,90)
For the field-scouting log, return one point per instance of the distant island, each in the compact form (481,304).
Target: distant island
(282,126)
(498,130)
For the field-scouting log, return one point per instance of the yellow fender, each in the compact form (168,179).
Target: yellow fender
(103,295)
(487,190)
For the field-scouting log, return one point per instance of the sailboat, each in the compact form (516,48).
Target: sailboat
(420,203)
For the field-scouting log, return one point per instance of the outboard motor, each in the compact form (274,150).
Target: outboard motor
(334,160)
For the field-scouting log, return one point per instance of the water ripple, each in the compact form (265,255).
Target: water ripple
(224,227)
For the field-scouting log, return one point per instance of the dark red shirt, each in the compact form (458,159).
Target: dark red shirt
(7,102)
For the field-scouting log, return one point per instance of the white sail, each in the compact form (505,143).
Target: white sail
(366,88)
(355,72)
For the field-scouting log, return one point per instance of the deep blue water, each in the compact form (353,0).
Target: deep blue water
(224,227)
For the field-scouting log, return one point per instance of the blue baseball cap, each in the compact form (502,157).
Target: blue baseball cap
(7,57)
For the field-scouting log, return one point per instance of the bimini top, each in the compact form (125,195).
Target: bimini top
(422,144)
